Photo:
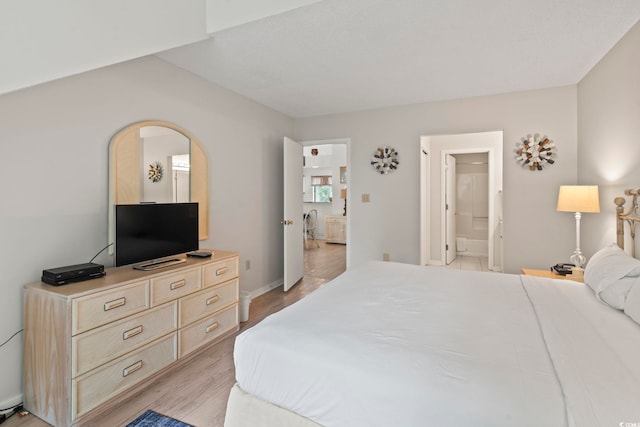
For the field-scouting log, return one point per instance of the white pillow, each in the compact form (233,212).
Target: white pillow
(617,293)
(632,305)
(611,273)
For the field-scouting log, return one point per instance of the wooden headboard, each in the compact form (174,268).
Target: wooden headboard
(631,216)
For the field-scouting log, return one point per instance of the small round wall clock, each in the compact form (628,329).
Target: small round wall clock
(535,152)
(385,160)
(155,171)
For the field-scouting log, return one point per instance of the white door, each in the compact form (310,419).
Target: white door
(450,207)
(293,211)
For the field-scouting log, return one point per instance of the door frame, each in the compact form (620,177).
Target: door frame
(349,183)
(491,142)
(492,221)
(425,201)
(449,207)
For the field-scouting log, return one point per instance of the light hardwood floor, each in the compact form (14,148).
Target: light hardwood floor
(197,392)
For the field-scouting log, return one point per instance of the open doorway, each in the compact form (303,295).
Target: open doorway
(325,204)
(467,218)
(454,170)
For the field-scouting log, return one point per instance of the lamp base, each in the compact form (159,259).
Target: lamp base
(577,258)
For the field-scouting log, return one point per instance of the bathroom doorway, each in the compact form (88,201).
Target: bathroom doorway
(469,233)
(473,227)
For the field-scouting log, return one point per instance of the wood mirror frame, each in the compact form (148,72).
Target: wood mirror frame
(126,170)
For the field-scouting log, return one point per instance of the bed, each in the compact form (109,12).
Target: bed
(393,344)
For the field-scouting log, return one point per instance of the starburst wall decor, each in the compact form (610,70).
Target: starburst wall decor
(155,171)
(385,160)
(535,152)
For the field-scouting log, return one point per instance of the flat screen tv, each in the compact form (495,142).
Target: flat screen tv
(148,233)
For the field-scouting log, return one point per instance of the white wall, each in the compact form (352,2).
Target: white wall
(54,142)
(43,40)
(535,234)
(609,135)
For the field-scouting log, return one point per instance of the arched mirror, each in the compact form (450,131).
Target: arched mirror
(158,162)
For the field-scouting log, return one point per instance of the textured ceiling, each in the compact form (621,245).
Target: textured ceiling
(339,56)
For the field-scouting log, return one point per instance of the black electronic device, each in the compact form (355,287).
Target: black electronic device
(562,269)
(72,273)
(151,232)
(200,254)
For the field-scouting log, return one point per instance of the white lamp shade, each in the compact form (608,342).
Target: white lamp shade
(578,198)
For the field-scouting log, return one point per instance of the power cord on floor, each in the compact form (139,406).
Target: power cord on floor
(18,409)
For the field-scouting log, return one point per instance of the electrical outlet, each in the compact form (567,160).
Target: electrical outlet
(247,264)
(385,256)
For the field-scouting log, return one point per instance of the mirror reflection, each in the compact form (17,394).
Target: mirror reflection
(165,154)
(158,162)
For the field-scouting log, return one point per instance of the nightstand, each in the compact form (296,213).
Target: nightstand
(550,274)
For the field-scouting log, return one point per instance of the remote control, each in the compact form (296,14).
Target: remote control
(200,254)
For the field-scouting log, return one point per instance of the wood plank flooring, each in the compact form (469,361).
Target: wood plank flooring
(197,392)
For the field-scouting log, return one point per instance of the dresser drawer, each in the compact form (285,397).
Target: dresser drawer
(334,219)
(220,271)
(94,348)
(104,307)
(207,301)
(207,329)
(95,387)
(168,288)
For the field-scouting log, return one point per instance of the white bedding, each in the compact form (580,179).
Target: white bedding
(393,344)
(595,350)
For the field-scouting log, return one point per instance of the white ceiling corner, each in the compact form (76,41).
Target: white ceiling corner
(337,56)
(223,14)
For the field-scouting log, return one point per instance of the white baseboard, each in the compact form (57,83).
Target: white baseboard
(266,288)
(435,262)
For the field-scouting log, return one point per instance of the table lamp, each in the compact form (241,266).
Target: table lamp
(578,199)
(343,195)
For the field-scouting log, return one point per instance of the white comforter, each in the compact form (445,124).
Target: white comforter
(400,345)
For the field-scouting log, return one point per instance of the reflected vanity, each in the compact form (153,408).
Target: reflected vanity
(158,162)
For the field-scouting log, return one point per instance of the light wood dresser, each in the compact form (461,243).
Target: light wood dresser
(335,229)
(89,345)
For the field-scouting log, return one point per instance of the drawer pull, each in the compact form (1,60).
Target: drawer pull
(132,332)
(221,271)
(131,369)
(115,303)
(178,284)
(212,327)
(212,300)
